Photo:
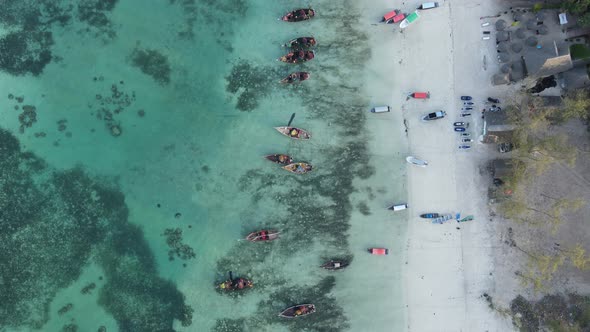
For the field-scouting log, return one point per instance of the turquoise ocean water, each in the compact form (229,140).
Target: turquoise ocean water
(132,136)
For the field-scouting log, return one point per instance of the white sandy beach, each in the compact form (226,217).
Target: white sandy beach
(447,267)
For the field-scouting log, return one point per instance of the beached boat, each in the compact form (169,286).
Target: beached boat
(419,95)
(298,168)
(282,159)
(434,116)
(301,42)
(381,109)
(398,207)
(428,5)
(429,215)
(263,235)
(294,133)
(295,77)
(297,57)
(299,310)
(235,284)
(378,251)
(442,219)
(334,265)
(388,17)
(299,15)
(409,20)
(416,161)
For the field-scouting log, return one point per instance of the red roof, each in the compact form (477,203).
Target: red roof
(420,95)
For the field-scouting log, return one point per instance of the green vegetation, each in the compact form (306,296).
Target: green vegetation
(579,51)
(541,148)
(560,313)
(581,8)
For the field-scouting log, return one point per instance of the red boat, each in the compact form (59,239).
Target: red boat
(379,251)
(263,235)
(297,56)
(296,77)
(388,18)
(282,159)
(398,18)
(301,42)
(420,95)
(299,15)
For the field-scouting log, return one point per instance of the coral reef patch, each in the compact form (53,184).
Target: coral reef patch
(152,63)
(60,221)
(250,83)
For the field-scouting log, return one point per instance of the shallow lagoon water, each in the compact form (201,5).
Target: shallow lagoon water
(195,123)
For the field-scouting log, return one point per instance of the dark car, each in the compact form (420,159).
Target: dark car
(466,98)
(493,100)
(505,147)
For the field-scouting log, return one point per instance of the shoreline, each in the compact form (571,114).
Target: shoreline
(446,267)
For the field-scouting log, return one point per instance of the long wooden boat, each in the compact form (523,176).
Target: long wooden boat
(293,132)
(299,310)
(298,168)
(299,15)
(263,235)
(296,77)
(297,56)
(235,284)
(282,159)
(301,42)
(334,265)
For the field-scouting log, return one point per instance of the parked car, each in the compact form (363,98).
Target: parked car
(468,103)
(493,100)
(466,98)
(460,124)
(464,114)
(460,129)
(505,147)
(465,135)
(434,116)
(468,108)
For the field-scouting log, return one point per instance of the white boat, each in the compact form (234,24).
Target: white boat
(416,161)
(381,109)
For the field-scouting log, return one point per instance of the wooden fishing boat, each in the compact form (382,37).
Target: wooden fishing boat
(282,159)
(294,133)
(296,77)
(299,310)
(334,265)
(235,284)
(299,15)
(297,57)
(298,168)
(263,235)
(301,42)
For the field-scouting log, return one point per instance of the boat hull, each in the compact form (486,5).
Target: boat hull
(299,15)
(298,168)
(294,133)
(282,159)
(296,77)
(299,310)
(259,236)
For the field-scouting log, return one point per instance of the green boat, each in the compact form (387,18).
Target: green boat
(409,20)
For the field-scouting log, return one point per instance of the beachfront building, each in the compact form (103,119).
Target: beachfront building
(533,46)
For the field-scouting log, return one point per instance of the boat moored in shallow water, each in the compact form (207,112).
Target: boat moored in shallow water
(299,310)
(294,133)
(299,15)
